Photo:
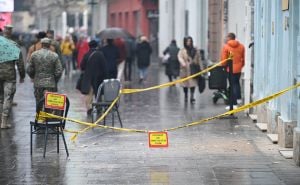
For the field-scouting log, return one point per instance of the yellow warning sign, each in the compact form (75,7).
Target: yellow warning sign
(55,100)
(158,139)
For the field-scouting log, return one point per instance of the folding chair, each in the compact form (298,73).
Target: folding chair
(107,92)
(48,126)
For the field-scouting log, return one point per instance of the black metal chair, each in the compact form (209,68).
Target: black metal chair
(108,91)
(49,125)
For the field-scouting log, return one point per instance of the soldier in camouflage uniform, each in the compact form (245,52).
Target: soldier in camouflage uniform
(45,69)
(55,44)
(8,82)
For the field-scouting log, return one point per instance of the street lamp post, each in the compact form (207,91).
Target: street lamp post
(92,3)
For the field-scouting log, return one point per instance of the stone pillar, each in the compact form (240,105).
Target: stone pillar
(296,145)
(248,40)
(272,121)
(285,132)
(64,24)
(165,25)
(85,19)
(77,21)
(261,114)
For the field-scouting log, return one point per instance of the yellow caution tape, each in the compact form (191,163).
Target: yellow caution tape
(129,91)
(242,108)
(44,115)
(239,109)
(90,125)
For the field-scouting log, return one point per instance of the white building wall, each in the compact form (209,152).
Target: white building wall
(193,21)
(179,26)
(239,22)
(236,18)
(172,22)
(166,28)
(102,19)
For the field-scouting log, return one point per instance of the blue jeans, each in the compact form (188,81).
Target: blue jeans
(236,87)
(67,61)
(143,72)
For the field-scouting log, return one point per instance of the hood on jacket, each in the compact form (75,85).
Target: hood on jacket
(233,43)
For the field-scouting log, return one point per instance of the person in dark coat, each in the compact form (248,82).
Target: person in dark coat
(112,56)
(130,48)
(143,52)
(172,66)
(94,66)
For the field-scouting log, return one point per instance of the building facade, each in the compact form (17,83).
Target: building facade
(62,16)
(139,17)
(180,18)
(276,67)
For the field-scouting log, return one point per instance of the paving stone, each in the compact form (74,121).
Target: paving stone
(253,117)
(262,126)
(217,152)
(273,138)
(288,154)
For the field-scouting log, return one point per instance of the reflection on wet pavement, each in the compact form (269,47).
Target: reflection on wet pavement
(219,152)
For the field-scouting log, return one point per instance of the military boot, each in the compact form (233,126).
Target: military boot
(4,123)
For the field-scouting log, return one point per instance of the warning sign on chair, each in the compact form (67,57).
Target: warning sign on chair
(158,139)
(55,101)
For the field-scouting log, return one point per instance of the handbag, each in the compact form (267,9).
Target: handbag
(201,84)
(194,68)
(165,58)
(80,79)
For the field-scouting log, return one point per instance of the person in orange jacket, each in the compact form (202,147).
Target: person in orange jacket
(237,50)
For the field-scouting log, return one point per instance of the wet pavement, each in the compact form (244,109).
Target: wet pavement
(220,152)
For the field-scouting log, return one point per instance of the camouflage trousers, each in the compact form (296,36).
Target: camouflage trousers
(40,91)
(7,92)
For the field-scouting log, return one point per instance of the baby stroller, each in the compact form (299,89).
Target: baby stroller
(217,79)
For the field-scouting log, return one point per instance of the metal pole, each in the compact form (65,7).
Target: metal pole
(92,3)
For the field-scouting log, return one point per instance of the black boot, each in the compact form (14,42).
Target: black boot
(185,90)
(192,99)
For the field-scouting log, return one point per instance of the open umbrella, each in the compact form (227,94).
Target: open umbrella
(9,50)
(113,33)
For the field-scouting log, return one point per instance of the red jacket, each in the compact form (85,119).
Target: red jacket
(82,48)
(238,51)
(121,47)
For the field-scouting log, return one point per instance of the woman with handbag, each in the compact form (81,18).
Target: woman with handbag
(94,70)
(190,63)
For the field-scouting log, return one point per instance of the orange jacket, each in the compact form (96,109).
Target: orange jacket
(238,51)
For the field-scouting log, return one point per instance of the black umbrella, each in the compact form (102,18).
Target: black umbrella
(113,33)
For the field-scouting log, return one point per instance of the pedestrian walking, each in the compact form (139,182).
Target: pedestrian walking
(130,50)
(8,78)
(94,67)
(172,65)
(45,69)
(121,62)
(112,56)
(143,53)
(82,48)
(187,56)
(38,45)
(74,52)
(55,44)
(67,47)
(237,50)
